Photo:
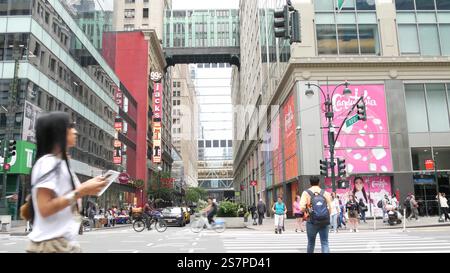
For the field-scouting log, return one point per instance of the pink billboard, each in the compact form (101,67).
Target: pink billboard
(365,144)
(372,191)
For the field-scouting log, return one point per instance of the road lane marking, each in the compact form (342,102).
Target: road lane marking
(150,244)
(193,244)
(136,251)
(8,244)
(191,251)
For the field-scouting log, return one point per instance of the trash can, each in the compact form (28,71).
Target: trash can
(5,223)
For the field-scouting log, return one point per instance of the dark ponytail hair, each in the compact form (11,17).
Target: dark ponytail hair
(51,134)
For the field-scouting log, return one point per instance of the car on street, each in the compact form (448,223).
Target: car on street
(174,216)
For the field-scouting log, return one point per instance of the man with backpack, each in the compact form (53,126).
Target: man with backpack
(316,203)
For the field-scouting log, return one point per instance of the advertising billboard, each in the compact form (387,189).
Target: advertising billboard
(30,116)
(290,139)
(156,142)
(277,156)
(22,162)
(371,191)
(157,101)
(365,144)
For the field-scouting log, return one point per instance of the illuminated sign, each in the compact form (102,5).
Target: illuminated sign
(157,142)
(157,101)
(156,76)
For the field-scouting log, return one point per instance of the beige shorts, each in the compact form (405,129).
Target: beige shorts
(57,245)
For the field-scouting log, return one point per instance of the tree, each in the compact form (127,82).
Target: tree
(157,191)
(195,194)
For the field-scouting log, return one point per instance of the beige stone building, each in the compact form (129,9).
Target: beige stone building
(140,14)
(185,121)
(396,50)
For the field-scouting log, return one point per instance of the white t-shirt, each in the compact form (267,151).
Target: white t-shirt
(63,223)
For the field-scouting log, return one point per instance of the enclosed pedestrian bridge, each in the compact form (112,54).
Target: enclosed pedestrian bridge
(201,36)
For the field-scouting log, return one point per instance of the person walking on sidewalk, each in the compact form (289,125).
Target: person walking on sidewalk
(341,219)
(414,208)
(261,211)
(316,203)
(335,212)
(362,210)
(279,208)
(407,205)
(56,191)
(353,212)
(298,215)
(444,206)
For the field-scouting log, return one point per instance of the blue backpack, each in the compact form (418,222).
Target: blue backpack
(319,214)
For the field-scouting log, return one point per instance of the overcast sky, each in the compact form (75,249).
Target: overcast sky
(205,4)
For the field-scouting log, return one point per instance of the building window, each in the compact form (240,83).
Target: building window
(129,13)
(347,33)
(427,107)
(129,1)
(145,12)
(128,27)
(208,143)
(215,143)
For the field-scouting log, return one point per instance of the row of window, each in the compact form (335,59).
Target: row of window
(428,107)
(214,143)
(364,5)
(50,20)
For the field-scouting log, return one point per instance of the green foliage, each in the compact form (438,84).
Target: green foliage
(193,195)
(201,204)
(228,209)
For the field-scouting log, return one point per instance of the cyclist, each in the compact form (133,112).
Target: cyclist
(210,210)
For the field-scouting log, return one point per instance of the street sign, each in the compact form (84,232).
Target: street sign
(253,183)
(429,165)
(352,120)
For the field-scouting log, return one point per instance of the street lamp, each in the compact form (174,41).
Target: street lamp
(329,114)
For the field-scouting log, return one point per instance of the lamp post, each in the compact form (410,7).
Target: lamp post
(437,184)
(329,114)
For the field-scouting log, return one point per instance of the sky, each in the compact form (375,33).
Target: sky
(205,4)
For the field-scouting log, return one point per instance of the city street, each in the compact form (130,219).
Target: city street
(182,240)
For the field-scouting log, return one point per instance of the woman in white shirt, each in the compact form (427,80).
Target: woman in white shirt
(335,211)
(55,188)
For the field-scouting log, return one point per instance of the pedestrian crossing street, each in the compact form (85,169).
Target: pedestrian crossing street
(341,242)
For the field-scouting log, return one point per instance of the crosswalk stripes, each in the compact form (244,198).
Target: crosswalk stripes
(364,242)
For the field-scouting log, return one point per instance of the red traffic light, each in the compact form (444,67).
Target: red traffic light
(6,167)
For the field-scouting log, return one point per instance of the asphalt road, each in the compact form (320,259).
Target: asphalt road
(182,240)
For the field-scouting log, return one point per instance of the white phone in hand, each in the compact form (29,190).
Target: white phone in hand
(110,176)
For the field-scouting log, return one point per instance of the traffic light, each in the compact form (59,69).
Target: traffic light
(295,27)
(343,184)
(281,22)
(12,148)
(362,111)
(341,167)
(324,164)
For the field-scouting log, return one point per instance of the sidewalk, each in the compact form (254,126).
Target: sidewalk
(20,230)
(421,223)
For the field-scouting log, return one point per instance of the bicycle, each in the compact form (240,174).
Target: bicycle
(147,221)
(199,224)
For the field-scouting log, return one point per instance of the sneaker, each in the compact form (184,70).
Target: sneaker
(356,230)
(295,230)
(276,231)
(351,230)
